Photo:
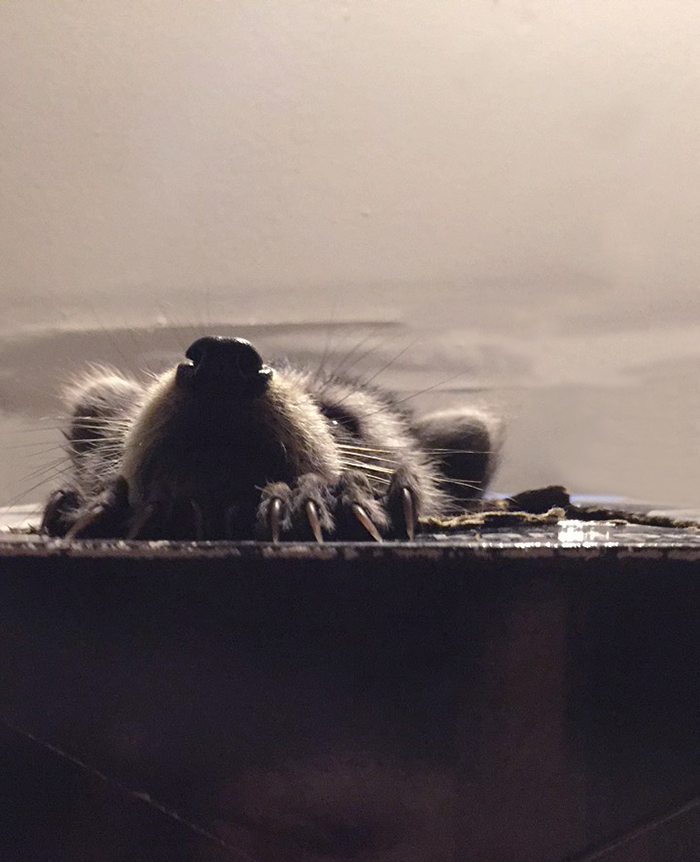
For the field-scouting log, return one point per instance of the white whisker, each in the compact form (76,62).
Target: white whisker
(369,467)
(353,447)
(367,456)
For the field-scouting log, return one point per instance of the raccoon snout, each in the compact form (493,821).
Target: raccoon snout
(219,365)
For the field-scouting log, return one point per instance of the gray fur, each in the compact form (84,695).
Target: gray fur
(307,457)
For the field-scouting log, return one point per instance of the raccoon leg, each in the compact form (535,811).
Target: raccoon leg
(465,445)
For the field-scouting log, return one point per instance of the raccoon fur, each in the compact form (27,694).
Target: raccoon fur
(223,446)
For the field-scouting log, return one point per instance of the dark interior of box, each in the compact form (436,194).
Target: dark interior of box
(521,693)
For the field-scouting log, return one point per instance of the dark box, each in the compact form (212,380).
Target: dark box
(522,695)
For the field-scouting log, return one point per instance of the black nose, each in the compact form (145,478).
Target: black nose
(215,355)
(225,365)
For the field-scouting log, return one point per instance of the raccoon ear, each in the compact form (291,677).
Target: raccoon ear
(465,444)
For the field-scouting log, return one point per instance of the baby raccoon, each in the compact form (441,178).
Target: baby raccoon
(225,447)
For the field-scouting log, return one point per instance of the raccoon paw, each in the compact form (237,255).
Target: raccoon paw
(67,514)
(346,510)
(359,511)
(303,511)
(60,512)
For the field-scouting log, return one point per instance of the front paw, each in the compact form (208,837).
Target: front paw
(67,514)
(60,512)
(348,509)
(304,511)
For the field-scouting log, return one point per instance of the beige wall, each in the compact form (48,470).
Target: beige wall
(517,180)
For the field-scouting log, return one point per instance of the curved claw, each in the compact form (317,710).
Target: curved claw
(366,521)
(83,521)
(312,516)
(140,522)
(409,512)
(274,519)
